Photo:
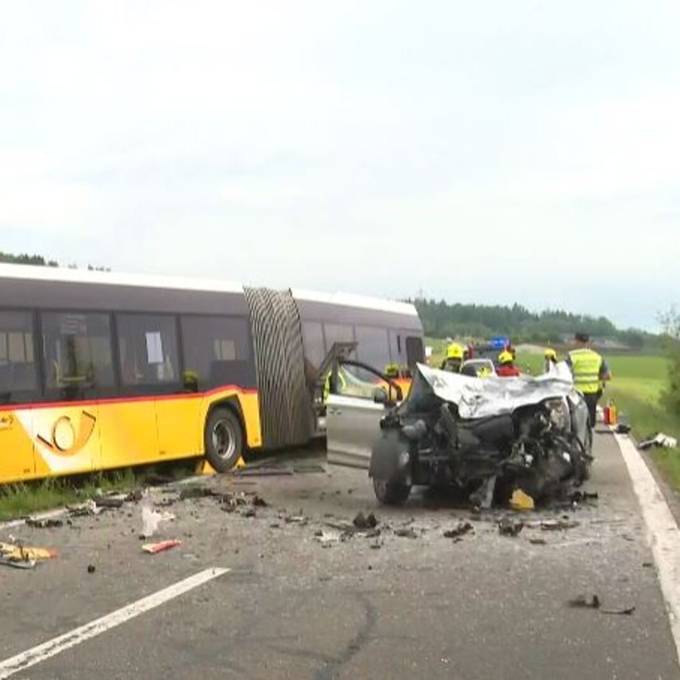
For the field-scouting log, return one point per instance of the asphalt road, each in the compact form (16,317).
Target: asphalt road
(487,606)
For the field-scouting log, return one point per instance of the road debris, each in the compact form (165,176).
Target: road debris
(151,519)
(509,527)
(153,548)
(44,523)
(195,492)
(86,509)
(406,532)
(558,524)
(362,521)
(110,501)
(659,440)
(328,538)
(521,501)
(259,502)
(580,497)
(459,531)
(594,602)
(23,557)
(582,601)
(538,541)
(91,569)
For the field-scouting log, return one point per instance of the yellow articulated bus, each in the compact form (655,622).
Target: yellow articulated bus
(100,371)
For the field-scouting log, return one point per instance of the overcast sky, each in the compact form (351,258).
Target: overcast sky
(481,152)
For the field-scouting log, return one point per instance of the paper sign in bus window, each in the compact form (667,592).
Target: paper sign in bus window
(154,347)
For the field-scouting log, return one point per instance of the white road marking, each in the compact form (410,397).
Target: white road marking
(663,534)
(56,645)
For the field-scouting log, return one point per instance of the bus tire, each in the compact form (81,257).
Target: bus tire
(223,439)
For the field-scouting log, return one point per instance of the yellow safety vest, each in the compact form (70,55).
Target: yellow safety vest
(585,366)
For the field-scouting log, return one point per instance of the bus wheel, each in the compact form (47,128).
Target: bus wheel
(223,439)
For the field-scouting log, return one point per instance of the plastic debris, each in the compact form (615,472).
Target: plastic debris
(16,552)
(151,519)
(85,509)
(17,564)
(327,538)
(153,548)
(509,527)
(659,440)
(521,501)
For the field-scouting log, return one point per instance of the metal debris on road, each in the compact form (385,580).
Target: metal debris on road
(459,531)
(17,564)
(509,527)
(558,524)
(594,602)
(23,557)
(153,548)
(362,521)
(585,602)
(110,501)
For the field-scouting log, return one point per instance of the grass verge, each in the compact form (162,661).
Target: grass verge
(21,500)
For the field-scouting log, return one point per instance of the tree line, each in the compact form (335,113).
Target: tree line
(39,260)
(442,319)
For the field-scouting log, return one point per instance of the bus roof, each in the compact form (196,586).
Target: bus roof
(67,275)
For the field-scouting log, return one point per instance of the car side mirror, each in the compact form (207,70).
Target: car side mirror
(380,395)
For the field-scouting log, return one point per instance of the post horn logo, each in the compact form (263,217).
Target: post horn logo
(67,438)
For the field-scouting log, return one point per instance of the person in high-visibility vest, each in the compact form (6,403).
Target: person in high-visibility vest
(590,372)
(454,358)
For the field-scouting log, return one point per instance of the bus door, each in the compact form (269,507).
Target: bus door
(78,366)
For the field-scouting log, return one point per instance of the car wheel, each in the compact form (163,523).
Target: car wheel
(223,439)
(391,493)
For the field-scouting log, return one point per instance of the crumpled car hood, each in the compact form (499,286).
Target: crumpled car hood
(481,397)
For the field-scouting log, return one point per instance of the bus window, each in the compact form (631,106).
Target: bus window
(215,349)
(373,348)
(336,332)
(77,350)
(312,340)
(415,353)
(18,375)
(148,349)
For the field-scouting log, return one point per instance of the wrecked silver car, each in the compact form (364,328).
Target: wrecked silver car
(486,437)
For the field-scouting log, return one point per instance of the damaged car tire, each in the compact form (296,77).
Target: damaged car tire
(223,439)
(391,493)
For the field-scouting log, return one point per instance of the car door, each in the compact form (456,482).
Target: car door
(353,418)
